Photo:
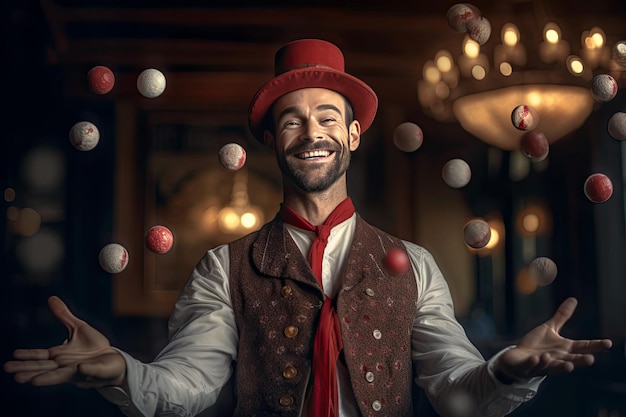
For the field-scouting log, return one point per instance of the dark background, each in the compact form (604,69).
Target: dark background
(44,94)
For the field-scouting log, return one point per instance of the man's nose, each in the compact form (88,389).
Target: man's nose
(313,131)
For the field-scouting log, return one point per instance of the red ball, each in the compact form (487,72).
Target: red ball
(598,188)
(159,239)
(535,145)
(101,79)
(397,260)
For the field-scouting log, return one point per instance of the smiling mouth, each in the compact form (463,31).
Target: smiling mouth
(313,154)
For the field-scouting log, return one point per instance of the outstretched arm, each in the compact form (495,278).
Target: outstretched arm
(85,359)
(543,351)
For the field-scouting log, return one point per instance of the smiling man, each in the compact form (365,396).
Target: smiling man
(313,140)
(305,308)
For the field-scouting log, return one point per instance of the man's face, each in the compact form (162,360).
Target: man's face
(312,140)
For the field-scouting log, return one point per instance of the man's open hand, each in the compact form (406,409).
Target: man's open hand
(543,351)
(85,359)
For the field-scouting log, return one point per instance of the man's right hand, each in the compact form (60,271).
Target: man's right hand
(86,358)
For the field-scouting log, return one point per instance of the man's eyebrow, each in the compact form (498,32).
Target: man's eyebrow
(323,107)
(288,110)
(297,110)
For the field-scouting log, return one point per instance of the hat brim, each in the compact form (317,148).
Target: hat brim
(362,98)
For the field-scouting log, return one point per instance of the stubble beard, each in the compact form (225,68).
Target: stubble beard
(308,182)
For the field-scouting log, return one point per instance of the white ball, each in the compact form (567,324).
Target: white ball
(456,173)
(408,137)
(459,14)
(232,156)
(542,270)
(84,136)
(617,126)
(477,233)
(603,88)
(113,258)
(524,117)
(151,83)
(479,30)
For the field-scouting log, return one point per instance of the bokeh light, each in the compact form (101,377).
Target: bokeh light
(9,194)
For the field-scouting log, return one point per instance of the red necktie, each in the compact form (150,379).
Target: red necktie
(327,344)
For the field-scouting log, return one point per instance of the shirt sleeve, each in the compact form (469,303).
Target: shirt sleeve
(187,376)
(450,369)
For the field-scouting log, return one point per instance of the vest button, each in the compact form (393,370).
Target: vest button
(290,372)
(286,291)
(369,292)
(291,331)
(377,334)
(369,377)
(376,405)
(286,401)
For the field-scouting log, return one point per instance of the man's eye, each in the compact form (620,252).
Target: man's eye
(291,123)
(328,119)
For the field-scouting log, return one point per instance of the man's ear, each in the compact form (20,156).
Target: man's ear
(354,135)
(268,139)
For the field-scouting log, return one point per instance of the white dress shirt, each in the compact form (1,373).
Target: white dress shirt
(187,375)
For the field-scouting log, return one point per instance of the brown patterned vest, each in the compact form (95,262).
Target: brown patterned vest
(277,302)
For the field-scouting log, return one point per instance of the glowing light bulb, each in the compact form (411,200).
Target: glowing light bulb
(530,223)
(493,240)
(506,69)
(431,74)
(478,72)
(575,65)
(510,34)
(597,37)
(248,220)
(552,33)
(471,48)
(443,61)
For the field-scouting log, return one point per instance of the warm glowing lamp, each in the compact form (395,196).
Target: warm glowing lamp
(487,89)
(240,217)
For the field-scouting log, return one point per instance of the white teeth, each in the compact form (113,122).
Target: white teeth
(313,154)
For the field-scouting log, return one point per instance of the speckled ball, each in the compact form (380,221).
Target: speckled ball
(477,233)
(113,258)
(479,30)
(598,188)
(456,173)
(84,136)
(524,117)
(459,14)
(151,83)
(101,79)
(159,239)
(408,137)
(232,156)
(617,126)
(603,88)
(542,270)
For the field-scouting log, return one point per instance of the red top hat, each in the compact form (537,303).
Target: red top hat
(311,63)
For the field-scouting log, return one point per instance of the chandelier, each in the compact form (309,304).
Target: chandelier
(240,217)
(480,84)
